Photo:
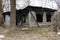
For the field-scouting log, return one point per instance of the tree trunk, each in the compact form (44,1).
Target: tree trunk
(1,7)
(13,14)
(1,11)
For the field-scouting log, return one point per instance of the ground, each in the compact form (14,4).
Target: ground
(32,34)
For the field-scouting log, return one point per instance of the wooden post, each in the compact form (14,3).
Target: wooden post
(32,19)
(13,14)
(44,17)
(52,15)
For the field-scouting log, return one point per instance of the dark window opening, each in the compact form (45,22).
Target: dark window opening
(39,18)
(48,18)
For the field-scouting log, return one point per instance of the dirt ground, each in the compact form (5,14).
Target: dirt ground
(34,34)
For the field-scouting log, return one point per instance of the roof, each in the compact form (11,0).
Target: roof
(21,4)
(51,4)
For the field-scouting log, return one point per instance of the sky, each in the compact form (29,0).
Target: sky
(58,2)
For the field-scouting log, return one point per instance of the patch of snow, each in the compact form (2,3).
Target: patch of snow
(2,36)
(25,28)
(58,33)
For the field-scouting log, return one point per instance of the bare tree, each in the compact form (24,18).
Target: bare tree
(56,20)
(13,14)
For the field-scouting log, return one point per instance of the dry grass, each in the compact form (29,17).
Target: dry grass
(35,34)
